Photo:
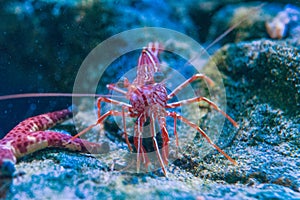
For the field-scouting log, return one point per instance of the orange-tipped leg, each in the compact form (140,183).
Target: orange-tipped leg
(187,82)
(163,160)
(138,143)
(191,124)
(100,120)
(198,99)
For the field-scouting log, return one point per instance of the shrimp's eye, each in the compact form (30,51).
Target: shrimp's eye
(123,82)
(158,77)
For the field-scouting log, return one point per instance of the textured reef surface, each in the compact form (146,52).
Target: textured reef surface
(43,44)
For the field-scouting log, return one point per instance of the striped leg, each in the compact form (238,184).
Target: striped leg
(198,99)
(165,138)
(138,143)
(125,107)
(99,121)
(111,101)
(165,151)
(195,126)
(185,83)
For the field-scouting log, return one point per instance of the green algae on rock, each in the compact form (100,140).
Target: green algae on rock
(269,69)
(262,89)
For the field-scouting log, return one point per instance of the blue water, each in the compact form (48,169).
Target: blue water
(43,43)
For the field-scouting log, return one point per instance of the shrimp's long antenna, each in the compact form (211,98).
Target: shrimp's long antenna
(253,10)
(29,95)
(234,26)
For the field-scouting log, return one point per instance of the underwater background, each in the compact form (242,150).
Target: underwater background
(44,42)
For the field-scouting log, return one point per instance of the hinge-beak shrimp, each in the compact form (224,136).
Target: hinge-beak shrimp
(148,101)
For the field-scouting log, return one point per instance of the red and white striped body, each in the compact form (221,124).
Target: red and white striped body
(146,97)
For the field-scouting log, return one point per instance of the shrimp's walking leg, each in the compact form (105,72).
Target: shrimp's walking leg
(138,143)
(195,126)
(164,158)
(198,99)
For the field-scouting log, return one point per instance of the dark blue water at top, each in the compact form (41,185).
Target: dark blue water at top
(43,43)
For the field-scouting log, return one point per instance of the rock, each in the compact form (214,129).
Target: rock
(269,69)
(267,106)
(285,23)
(261,78)
(250,16)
